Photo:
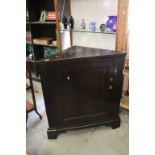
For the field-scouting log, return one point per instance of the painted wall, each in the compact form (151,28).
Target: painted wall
(93,10)
(65,40)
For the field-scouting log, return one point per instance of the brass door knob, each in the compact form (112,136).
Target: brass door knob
(111,79)
(110,87)
(68,78)
(115,70)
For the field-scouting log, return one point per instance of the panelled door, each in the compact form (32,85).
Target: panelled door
(84,90)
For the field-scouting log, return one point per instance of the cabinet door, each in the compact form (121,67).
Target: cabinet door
(93,84)
(84,90)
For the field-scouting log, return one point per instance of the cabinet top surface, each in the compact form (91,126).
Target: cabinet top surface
(79,52)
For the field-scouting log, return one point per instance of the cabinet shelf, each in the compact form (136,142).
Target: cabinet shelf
(49,22)
(86,30)
(28,42)
(47,28)
(50,45)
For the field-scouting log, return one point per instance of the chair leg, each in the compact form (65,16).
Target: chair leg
(38,114)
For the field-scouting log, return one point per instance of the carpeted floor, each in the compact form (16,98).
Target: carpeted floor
(91,141)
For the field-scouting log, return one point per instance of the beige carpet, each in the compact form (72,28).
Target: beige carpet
(91,141)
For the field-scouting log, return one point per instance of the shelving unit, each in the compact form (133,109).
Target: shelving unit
(37,29)
(122,14)
(87,8)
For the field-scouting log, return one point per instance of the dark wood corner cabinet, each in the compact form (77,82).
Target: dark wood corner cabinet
(82,87)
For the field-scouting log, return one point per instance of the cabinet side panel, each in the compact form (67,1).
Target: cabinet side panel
(118,75)
(48,81)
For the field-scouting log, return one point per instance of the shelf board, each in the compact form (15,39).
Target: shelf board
(28,42)
(86,30)
(49,22)
(50,45)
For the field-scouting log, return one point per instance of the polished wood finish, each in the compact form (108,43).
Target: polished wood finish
(82,88)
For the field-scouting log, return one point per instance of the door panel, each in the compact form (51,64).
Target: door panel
(84,90)
(92,91)
(69,94)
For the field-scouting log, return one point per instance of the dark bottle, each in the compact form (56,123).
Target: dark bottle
(71,22)
(65,22)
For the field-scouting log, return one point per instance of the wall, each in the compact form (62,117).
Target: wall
(93,10)
(65,40)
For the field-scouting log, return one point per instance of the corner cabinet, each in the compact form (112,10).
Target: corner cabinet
(82,87)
